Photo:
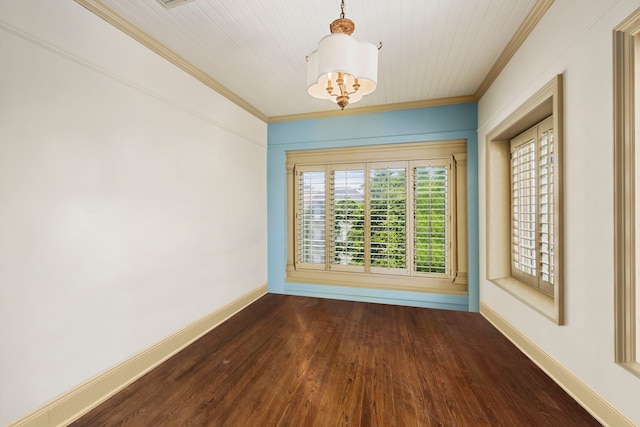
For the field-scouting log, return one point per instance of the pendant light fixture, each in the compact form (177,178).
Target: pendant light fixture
(342,69)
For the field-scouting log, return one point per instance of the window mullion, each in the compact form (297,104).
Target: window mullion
(452,207)
(296,218)
(328,215)
(367,222)
(536,167)
(410,216)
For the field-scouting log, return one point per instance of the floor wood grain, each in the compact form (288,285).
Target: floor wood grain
(295,361)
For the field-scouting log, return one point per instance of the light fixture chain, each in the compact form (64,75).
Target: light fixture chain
(342,10)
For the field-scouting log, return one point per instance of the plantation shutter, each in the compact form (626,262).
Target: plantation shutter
(523,206)
(532,177)
(388,218)
(347,218)
(546,219)
(431,219)
(311,225)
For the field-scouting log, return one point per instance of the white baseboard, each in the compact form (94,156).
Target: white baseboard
(602,410)
(77,402)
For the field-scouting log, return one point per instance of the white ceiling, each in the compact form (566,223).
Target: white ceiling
(256,48)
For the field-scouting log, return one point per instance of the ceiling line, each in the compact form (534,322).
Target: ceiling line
(533,17)
(376,108)
(106,13)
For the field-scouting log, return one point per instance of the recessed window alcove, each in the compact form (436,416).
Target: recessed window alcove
(501,226)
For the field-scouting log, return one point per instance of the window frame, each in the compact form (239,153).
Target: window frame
(324,170)
(451,204)
(626,113)
(371,166)
(412,155)
(332,169)
(548,101)
(532,135)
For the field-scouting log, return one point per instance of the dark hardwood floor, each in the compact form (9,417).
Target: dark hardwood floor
(294,361)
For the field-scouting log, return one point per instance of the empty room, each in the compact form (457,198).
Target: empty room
(319,213)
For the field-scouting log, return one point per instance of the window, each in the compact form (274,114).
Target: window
(524,202)
(626,112)
(390,216)
(311,229)
(532,250)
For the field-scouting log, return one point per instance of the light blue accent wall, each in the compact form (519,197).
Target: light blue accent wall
(449,122)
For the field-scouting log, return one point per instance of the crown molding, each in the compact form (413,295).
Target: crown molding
(103,11)
(100,9)
(375,109)
(535,15)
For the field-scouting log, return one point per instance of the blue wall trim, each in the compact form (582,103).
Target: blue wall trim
(412,299)
(440,123)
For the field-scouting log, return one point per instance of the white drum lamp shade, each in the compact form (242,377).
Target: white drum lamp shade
(342,69)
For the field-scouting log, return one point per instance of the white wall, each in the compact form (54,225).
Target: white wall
(574,38)
(120,221)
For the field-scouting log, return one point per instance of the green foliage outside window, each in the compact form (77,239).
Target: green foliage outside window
(388,219)
(430,193)
(387,209)
(349,220)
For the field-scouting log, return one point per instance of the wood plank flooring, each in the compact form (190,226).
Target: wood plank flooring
(295,361)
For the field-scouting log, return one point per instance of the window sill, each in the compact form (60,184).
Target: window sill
(538,301)
(380,281)
(633,367)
